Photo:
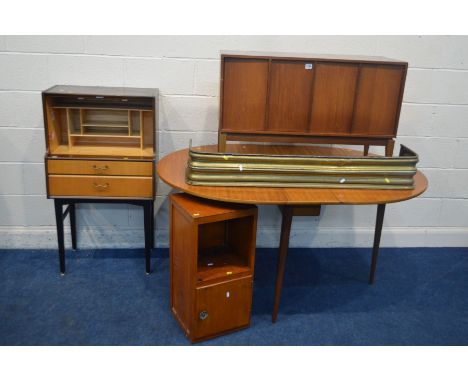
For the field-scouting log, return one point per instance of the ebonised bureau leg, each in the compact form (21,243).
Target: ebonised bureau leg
(151,203)
(377,235)
(73,225)
(148,236)
(59,223)
(287,213)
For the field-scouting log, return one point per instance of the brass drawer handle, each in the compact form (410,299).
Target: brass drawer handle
(100,168)
(203,315)
(101,187)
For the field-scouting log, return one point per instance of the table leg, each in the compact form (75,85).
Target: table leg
(73,225)
(389,148)
(59,223)
(366,150)
(377,235)
(287,213)
(148,228)
(152,223)
(222,142)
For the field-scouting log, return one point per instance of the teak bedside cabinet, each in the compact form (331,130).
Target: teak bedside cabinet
(100,149)
(278,97)
(212,254)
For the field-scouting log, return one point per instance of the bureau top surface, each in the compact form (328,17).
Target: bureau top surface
(101,91)
(312,56)
(171,169)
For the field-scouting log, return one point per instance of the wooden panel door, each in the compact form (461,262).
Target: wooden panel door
(289,96)
(244,94)
(223,307)
(378,100)
(333,98)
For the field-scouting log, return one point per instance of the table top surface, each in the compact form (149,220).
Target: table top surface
(171,169)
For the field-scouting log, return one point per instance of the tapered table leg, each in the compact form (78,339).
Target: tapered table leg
(366,150)
(389,147)
(73,225)
(377,235)
(59,223)
(283,253)
(148,228)
(152,223)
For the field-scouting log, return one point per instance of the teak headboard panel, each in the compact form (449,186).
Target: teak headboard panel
(312,99)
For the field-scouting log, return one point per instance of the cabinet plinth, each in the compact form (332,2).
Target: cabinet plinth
(212,254)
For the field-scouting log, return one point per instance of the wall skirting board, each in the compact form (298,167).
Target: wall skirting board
(96,237)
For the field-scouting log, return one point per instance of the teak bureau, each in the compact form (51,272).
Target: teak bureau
(100,148)
(310,99)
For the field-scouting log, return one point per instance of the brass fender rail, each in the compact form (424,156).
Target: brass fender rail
(262,170)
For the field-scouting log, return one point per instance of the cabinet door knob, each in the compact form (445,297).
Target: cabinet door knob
(101,187)
(100,168)
(203,315)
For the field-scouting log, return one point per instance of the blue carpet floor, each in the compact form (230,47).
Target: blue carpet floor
(420,298)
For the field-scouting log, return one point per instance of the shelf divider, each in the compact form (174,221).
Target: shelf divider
(106,135)
(81,121)
(129,122)
(68,127)
(141,130)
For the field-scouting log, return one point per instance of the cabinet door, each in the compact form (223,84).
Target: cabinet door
(244,94)
(290,96)
(222,307)
(377,100)
(333,98)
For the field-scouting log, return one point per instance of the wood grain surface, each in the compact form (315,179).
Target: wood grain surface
(99,167)
(245,93)
(100,186)
(212,255)
(290,96)
(333,95)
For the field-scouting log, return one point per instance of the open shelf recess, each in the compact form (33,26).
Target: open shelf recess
(102,127)
(90,124)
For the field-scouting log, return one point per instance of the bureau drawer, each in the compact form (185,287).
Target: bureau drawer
(100,186)
(99,167)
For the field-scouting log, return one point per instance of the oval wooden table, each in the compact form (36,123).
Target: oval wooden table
(292,201)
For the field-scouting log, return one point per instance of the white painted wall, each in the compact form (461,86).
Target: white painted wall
(434,122)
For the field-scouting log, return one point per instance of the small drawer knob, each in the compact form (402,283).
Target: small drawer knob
(203,315)
(100,168)
(101,187)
